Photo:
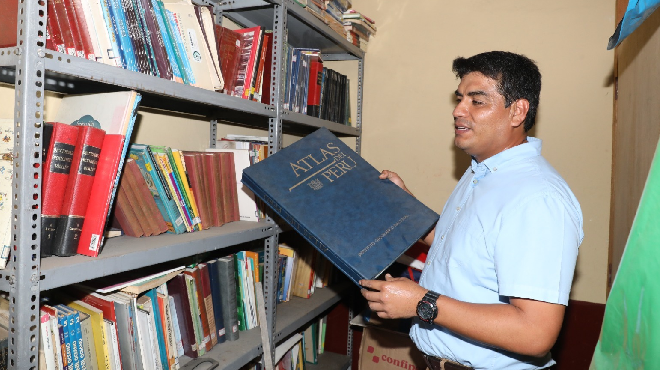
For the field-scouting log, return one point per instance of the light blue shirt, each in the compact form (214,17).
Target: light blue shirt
(511,228)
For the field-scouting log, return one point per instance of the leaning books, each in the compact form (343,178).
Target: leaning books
(336,201)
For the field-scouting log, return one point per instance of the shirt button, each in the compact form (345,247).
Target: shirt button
(442,237)
(458,208)
(475,181)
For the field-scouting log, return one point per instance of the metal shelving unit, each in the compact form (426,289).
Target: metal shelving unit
(33,69)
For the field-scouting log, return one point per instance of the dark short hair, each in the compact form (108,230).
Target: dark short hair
(517,77)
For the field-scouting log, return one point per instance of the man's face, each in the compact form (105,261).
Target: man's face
(483,126)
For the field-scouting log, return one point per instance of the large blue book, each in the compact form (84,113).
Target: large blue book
(335,200)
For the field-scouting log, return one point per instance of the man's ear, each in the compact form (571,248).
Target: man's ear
(519,110)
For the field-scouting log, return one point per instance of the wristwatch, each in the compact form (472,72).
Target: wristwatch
(427,308)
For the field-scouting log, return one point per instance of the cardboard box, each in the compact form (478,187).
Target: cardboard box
(385,346)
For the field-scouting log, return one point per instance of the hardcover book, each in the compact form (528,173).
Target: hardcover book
(319,178)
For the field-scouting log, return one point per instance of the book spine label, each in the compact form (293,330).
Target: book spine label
(76,198)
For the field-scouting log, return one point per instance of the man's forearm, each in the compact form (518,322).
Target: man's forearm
(526,327)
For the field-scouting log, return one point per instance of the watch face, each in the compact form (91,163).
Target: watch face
(426,311)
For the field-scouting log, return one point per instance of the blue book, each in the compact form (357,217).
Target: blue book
(110,27)
(67,351)
(214,280)
(158,186)
(335,200)
(180,46)
(121,33)
(162,351)
(75,336)
(167,41)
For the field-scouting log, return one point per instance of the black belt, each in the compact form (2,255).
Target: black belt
(435,363)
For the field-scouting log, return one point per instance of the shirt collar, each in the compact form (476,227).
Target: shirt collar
(531,148)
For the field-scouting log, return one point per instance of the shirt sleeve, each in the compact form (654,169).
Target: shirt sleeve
(536,251)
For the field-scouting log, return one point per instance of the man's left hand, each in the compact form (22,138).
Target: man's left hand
(393,298)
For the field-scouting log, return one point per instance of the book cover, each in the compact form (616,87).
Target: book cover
(71,41)
(129,58)
(212,177)
(116,116)
(208,302)
(107,52)
(98,332)
(136,36)
(82,47)
(177,289)
(57,336)
(145,32)
(205,19)
(201,305)
(229,48)
(195,314)
(162,160)
(55,176)
(214,284)
(160,335)
(45,339)
(75,335)
(194,169)
(181,175)
(155,217)
(268,70)
(125,330)
(166,323)
(322,171)
(6,174)
(247,207)
(179,46)
(251,38)
(125,216)
(86,29)
(54,39)
(148,13)
(78,188)
(143,318)
(175,73)
(160,190)
(127,184)
(114,53)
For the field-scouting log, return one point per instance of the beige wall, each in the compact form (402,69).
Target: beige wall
(409,96)
(407,125)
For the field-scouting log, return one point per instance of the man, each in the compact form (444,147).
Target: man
(499,271)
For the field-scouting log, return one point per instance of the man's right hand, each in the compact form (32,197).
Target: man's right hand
(395,178)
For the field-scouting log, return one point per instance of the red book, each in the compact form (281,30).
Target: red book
(208,302)
(176,288)
(314,89)
(193,163)
(255,94)
(125,215)
(8,18)
(268,69)
(211,173)
(101,195)
(74,24)
(78,188)
(140,209)
(229,189)
(157,221)
(83,29)
(71,42)
(229,52)
(53,29)
(55,177)
(251,39)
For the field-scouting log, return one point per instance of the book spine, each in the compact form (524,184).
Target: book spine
(180,46)
(214,285)
(67,353)
(208,303)
(227,278)
(76,197)
(98,207)
(54,28)
(175,71)
(164,167)
(126,216)
(191,162)
(199,293)
(60,12)
(46,340)
(129,184)
(83,29)
(115,53)
(176,326)
(181,180)
(159,329)
(148,13)
(57,169)
(145,31)
(155,217)
(178,290)
(195,313)
(159,188)
(119,22)
(174,53)
(135,36)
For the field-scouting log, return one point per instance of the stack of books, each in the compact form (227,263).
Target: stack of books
(359,28)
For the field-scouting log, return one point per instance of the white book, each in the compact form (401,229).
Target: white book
(92,29)
(46,341)
(111,332)
(145,338)
(177,331)
(247,207)
(148,307)
(57,344)
(108,55)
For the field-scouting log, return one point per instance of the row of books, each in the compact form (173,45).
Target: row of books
(340,16)
(300,271)
(150,322)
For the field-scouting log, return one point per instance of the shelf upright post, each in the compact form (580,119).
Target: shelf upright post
(274,144)
(23,268)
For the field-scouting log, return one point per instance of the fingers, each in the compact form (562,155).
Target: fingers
(371,284)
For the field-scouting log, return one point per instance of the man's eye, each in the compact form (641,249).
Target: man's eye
(477,102)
